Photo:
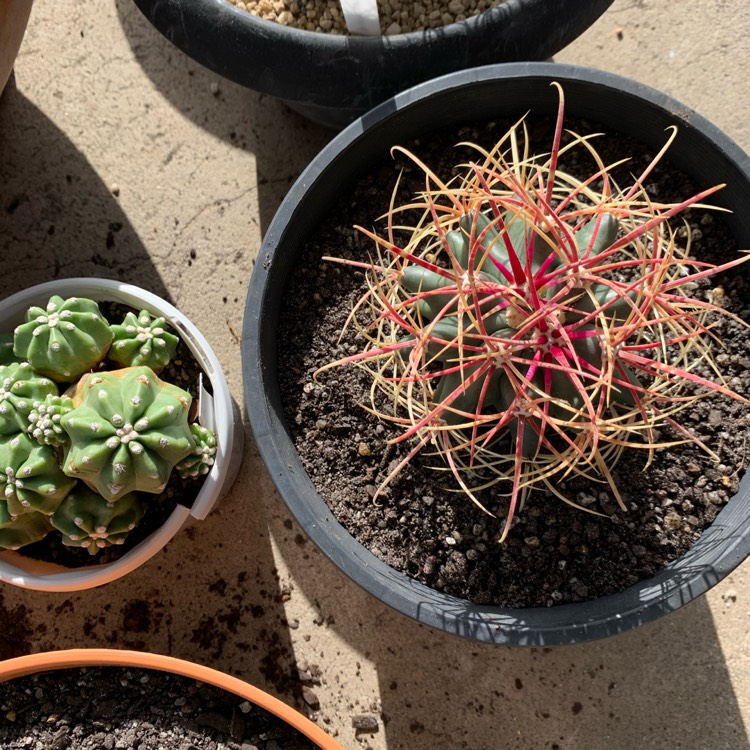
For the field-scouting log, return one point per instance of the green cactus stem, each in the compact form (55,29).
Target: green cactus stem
(440,316)
(202,458)
(65,339)
(6,349)
(19,531)
(143,340)
(85,519)
(20,388)
(44,420)
(127,429)
(31,475)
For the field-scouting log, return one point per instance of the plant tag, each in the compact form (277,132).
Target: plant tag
(361,17)
(205,415)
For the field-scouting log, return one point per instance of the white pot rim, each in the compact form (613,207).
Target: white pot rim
(223,415)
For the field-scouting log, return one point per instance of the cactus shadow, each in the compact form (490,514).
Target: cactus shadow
(254,122)
(57,217)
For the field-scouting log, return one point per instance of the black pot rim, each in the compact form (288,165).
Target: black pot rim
(721,548)
(333,78)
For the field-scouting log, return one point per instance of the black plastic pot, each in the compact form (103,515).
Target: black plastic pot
(332,79)
(700,150)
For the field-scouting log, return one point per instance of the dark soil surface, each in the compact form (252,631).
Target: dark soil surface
(554,553)
(184,371)
(106,708)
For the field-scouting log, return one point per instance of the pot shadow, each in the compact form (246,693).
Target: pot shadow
(57,217)
(213,595)
(254,122)
(665,684)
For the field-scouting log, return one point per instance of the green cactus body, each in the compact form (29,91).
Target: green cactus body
(18,531)
(202,458)
(32,476)
(65,339)
(20,388)
(44,420)
(128,429)
(85,519)
(143,340)
(6,349)
(450,333)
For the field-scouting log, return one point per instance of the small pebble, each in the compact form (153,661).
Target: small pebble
(364,450)
(364,723)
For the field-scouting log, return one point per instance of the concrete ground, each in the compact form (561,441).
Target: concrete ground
(121,157)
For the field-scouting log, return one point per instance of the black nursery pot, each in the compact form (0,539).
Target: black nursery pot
(332,79)
(616,104)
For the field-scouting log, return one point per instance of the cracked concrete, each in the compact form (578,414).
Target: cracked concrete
(121,157)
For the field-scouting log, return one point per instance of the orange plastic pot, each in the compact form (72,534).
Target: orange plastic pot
(105,657)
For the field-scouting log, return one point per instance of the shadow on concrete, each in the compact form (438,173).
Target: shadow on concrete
(248,120)
(205,597)
(57,217)
(665,684)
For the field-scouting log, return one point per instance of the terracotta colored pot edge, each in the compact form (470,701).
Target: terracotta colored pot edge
(47,661)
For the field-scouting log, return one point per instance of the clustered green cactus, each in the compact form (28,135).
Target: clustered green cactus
(76,461)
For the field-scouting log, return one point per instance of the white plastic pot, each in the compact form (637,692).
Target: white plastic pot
(218,413)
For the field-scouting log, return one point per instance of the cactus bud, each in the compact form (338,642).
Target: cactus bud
(202,458)
(127,429)
(20,389)
(143,340)
(44,420)
(65,339)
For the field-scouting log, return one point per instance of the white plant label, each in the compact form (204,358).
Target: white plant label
(361,17)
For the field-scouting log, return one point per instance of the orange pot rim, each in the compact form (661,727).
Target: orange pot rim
(47,661)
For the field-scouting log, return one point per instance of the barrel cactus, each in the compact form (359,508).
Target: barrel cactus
(86,521)
(127,430)
(18,531)
(64,339)
(143,340)
(533,325)
(21,387)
